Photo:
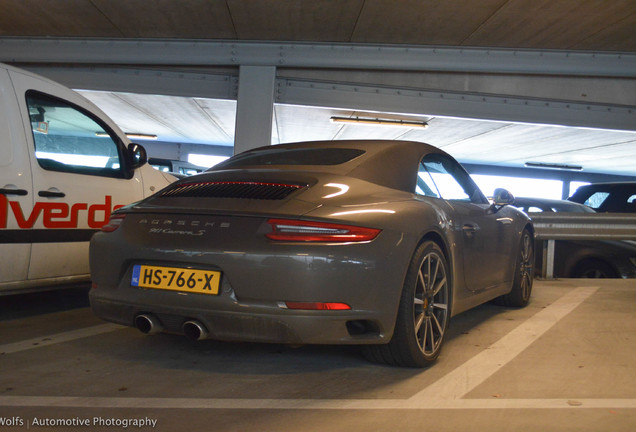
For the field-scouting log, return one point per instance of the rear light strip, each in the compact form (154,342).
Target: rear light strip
(233,189)
(310,231)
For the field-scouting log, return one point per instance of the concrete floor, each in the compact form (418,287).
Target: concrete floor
(564,363)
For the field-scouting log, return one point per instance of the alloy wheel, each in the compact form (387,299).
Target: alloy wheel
(430,307)
(526,267)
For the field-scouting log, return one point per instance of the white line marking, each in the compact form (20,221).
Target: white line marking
(475,371)
(310,404)
(58,338)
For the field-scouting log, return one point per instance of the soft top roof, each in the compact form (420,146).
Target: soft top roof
(385,162)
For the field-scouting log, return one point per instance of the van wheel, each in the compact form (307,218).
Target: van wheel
(423,314)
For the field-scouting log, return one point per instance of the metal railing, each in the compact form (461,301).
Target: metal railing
(579,226)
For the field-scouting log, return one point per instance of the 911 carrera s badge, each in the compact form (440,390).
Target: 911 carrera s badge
(176,232)
(180,226)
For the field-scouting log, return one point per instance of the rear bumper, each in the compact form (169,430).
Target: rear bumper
(234,321)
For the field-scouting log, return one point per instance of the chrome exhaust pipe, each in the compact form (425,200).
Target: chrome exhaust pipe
(148,324)
(194,330)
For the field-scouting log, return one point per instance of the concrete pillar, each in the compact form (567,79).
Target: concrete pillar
(255,107)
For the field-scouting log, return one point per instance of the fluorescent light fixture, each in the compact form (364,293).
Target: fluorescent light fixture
(141,136)
(554,166)
(130,135)
(379,121)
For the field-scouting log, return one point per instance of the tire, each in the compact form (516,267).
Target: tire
(519,295)
(423,314)
(593,269)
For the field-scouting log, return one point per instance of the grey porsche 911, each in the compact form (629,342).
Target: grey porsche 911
(375,243)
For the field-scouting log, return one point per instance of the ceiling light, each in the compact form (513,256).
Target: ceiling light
(130,135)
(378,121)
(141,136)
(554,166)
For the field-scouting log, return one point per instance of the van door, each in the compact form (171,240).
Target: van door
(79,176)
(16,188)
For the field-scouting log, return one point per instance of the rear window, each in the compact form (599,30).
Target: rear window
(309,156)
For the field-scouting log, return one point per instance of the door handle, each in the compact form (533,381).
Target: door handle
(20,192)
(470,229)
(51,194)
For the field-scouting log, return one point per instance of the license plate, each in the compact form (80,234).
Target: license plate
(176,279)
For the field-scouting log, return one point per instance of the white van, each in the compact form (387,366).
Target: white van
(64,167)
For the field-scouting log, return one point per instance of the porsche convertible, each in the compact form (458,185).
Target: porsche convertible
(374,243)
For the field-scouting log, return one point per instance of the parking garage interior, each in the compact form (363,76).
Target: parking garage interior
(541,94)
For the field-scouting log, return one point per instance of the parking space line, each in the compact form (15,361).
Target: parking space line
(58,338)
(309,404)
(475,371)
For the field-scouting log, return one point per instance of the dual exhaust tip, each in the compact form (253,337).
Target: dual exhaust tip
(150,324)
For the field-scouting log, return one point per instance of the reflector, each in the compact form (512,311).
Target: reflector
(317,306)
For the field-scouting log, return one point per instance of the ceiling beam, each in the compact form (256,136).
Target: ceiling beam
(455,104)
(143,81)
(317,55)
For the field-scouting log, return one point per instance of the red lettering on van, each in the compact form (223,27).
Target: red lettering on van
(56,214)
(3,211)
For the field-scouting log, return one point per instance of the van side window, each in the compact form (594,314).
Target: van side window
(69,139)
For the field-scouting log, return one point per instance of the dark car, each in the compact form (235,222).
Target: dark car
(539,205)
(376,243)
(619,197)
(582,258)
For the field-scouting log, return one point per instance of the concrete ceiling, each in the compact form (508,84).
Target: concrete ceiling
(569,26)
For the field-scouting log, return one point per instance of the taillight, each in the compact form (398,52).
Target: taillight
(310,231)
(113,223)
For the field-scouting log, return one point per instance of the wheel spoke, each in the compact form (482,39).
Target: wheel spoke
(439,286)
(442,306)
(420,277)
(437,324)
(418,323)
(429,326)
(525,251)
(424,334)
(432,278)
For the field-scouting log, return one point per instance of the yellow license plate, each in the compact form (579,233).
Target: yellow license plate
(176,279)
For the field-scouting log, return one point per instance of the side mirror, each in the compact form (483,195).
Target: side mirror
(500,199)
(503,197)
(137,156)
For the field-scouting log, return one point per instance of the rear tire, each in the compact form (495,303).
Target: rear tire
(594,269)
(524,272)
(423,314)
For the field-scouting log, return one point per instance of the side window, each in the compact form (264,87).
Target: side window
(596,199)
(69,139)
(440,177)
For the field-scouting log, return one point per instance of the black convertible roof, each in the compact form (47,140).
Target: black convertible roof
(386,162)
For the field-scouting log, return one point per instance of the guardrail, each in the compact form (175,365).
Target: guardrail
(579,226)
